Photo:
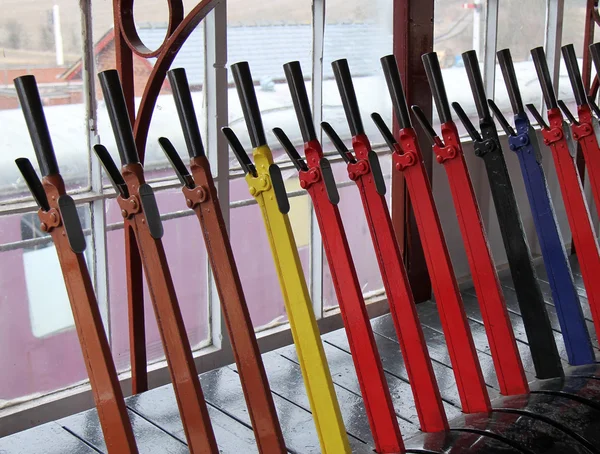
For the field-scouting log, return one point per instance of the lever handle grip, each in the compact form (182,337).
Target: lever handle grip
(295,80)
(389,138)
(510,80)
(343,78)
(119,116)
(436,83)
(186,112)
(476,81)
(33,183)
(568,53)
(595,51)
(31,104)
(245,88)
(394,84)
(466,121)
(541,67)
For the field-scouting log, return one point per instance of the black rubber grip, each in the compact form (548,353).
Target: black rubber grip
(33,183)
(568,53)
(436,83)
(466,121)
(510,80)
(389,138)
(119,116)
(295,80)
(394,84)
(343,78)
(186,112)
(541,67)
(31,104)
(476,81)
(245,88)
(595,51)
(176,162)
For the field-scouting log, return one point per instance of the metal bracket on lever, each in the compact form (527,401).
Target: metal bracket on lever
(71,223)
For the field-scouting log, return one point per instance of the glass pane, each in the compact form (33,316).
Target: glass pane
(35,315)
(267,37)
(186,256)
(573,33)
(458,27)
(255,261)
(358,234)
(44,40)
(150,16)
(360,32)
(521,27)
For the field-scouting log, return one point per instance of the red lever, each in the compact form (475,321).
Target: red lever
(575,204)
(373,385)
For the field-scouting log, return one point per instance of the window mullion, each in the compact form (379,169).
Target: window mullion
(554,26)
(216,108)
(316,244)
(97,207)
(490,47)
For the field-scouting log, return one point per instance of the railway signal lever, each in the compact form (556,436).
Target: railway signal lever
(201,196)
(364,169)
(265,184)
(536,321)
(557,135)
(522,140)
(449,153)
(141,217)
(59,218)
(319,182)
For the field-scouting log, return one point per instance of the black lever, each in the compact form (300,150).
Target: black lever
(436,82)
(176,162)
(186,112)
(462,116)
(338,143)
(31,104)
(570,58)
(538,117)
(343,79)
(245,88)
(239,152)
(595,51)
(424,122)
(510,79)
(508,129)
(295,80)
(33,183)
(567,112)
(594,106)
(119,116)
(541,67)
(290,149)
(111,170)
(394,84)
(476,81)
(384,130)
